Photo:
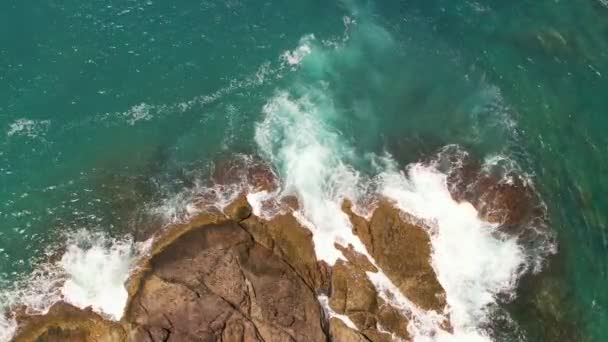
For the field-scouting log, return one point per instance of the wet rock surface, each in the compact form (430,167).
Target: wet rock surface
(353,295)
(499,193)
(401,247)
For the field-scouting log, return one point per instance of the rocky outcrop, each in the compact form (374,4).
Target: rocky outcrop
(401,248)
(339,332)
(216,283)
(64,322)
(207,280)
(293,243)
(353,295)
(233,276)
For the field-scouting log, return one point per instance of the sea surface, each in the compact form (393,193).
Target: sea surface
(113,115)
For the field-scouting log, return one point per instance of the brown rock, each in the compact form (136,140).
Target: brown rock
(401,248)
(353,294)
(360,225)
(392,320)
(504,196)
(239,209)
(356,258)
(339,332)
(291,202)
(290,241)
(500,196)
(215,283)
(352,291)
(65,322)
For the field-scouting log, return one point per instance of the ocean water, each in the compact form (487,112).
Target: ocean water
(113,114)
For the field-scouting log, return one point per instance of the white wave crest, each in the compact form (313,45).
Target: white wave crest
(294,138)
(96,269)
(8,326)
(91,273)
(304,49)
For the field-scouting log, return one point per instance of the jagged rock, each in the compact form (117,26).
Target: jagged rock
(339,332)
(390,319)
(239,209)
(353,294)
(65,322)
(215,283)
(351,290)
(402,250)
(356,258)
(235,277)
(290,241)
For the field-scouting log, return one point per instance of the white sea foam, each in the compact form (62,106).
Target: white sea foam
(330,313)
(473,262)
(96,269)
(304,49)
(257,199)
(8,326)
(293,137)
(27,127)
(140,112)
(91,273)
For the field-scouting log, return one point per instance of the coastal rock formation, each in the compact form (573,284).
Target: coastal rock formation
(206,282)
(339,332)
(353,295)
(401,248)
(245,170)
(65,322)
(233,276)
(291,242)
(217,283)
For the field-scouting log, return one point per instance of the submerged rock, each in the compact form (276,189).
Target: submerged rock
(499,194)
(250,171)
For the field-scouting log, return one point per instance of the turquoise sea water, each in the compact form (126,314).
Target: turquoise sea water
(109,109)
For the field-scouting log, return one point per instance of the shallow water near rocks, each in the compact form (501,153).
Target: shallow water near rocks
(113,114)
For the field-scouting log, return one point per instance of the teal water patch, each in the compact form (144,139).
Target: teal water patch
(108,108)
(104,106)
